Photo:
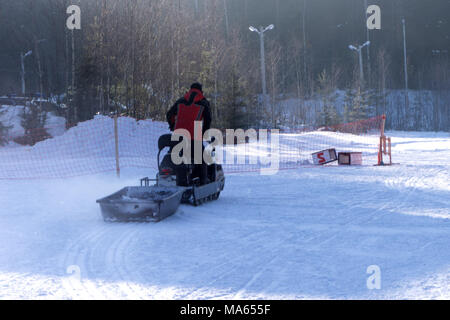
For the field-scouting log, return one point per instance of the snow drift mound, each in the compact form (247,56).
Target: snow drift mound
(87,148)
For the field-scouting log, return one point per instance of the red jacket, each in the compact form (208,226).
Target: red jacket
(192,107)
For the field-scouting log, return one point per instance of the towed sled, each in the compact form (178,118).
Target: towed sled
(175,184)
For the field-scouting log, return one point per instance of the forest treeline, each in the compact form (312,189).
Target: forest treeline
(136,57)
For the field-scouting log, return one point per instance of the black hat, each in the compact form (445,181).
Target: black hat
(197,86)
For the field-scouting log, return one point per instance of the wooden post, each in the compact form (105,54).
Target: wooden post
(116,139)
(381,150)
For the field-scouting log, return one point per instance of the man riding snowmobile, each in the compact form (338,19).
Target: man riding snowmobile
(175,183)
(193,106)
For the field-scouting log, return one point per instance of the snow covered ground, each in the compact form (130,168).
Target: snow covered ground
(303,233)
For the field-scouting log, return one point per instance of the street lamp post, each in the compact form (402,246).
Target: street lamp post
(263,62)
(38,58)
(404,55)
(22,64)
(405,65)
(358,49)
(368,39)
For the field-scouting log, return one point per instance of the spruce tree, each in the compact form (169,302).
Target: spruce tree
(357,105)
(33,121)
(3,130)
(234,112)
(328,115)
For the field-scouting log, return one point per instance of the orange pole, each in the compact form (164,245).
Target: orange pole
(380,152)
(390,151)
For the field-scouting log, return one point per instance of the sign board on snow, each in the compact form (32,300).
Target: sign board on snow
(325,156)
(350,158)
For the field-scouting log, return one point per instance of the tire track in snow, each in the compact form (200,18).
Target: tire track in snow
(147,291)
(410,187)
(75,256)
(400,200)
(387,206)
(265,267)
(102,247)
(253,279)
(116,256)
(229,261)
(100,255)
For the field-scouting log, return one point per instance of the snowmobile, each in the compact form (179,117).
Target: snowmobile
(175,184)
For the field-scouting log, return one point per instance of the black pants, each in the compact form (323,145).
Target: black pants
(199,170)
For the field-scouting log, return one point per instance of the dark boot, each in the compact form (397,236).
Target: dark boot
(204,174)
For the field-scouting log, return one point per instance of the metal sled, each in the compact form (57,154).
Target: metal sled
(145,203)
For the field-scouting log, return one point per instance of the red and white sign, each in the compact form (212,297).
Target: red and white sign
(325,156)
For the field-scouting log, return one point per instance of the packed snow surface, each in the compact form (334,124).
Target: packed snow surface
(310,232)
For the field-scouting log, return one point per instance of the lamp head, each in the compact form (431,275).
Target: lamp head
(270,27)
